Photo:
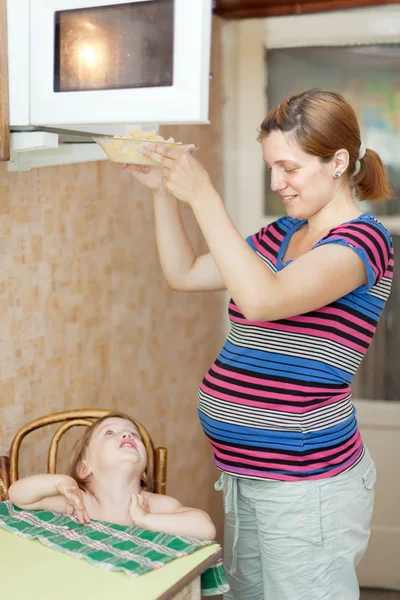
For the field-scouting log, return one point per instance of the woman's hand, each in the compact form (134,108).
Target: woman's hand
(182,175)
(138,509)
(151,177)
(74,500)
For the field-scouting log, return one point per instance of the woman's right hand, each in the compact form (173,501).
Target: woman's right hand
(75,505)
(151,177)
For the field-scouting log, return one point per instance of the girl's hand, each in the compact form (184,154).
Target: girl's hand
(182,175)
(138,509)
(74,499)
(151,177)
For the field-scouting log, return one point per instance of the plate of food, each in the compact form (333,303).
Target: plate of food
(126,149)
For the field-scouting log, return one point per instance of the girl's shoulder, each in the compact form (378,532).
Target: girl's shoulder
(160,502)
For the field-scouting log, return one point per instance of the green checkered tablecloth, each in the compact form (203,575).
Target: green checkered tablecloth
(133,550)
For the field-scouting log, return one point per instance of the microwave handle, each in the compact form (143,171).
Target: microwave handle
(72,132)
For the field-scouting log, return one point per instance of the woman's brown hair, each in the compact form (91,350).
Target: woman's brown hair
(82,445)
(323,122)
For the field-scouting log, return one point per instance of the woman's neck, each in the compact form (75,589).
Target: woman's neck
(339,210)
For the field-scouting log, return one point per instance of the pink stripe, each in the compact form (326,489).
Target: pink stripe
(275,232)
(251,403)
(342,313)
(265,394)
(278,455)
(268,255)
(362,242)
(303,330)
(271,244)
(281,477)
(334,324)
(269,405)
(286,467)
(275,384)
(372,231)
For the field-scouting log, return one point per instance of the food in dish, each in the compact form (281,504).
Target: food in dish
(126,148)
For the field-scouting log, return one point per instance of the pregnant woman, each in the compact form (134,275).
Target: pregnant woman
(307,293)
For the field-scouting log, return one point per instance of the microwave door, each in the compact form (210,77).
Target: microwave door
(104,62)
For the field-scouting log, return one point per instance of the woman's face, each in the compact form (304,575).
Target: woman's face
(305,184)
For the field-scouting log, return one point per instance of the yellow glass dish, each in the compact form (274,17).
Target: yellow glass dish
(124,150)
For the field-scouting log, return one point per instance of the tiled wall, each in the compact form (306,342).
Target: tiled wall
(86,317)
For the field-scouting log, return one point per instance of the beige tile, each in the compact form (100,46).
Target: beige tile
(87,318)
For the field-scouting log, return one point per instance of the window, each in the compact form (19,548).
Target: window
(368,76)
(358,54)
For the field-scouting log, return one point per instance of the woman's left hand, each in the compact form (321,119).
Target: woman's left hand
(183,175)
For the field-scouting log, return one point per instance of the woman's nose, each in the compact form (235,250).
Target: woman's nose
(277,181)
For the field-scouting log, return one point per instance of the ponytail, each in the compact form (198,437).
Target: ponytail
(372,181)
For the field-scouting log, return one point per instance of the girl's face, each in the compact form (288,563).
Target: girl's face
(305,184)
(116,444)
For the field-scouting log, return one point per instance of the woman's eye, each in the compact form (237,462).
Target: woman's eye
(290,170)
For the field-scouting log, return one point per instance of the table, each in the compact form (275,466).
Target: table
(31,571)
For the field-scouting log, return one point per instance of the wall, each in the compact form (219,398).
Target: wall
(86,318)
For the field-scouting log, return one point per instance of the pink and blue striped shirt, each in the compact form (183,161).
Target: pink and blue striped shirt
(276,404)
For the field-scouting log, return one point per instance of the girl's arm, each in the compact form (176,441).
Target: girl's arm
(57,493)
(169,516)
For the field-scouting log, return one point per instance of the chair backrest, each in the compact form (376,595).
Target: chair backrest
(156,457)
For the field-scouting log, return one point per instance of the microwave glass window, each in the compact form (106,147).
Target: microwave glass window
(113,47)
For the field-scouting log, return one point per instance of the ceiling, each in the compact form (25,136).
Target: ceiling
(244,9)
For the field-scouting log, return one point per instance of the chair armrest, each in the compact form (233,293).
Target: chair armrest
(4,477)
(160,484)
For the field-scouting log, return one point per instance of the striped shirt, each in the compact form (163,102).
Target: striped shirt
(276,404)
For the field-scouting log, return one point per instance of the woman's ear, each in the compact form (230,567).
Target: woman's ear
(82,469)
(341,161)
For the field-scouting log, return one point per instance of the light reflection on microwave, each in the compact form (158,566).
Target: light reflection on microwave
(90,62)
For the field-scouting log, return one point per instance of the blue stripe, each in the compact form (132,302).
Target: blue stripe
(285,440)
(289,365)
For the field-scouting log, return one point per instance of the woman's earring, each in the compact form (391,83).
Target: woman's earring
(337,174)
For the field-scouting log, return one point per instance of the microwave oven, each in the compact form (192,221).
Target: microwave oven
(95,65)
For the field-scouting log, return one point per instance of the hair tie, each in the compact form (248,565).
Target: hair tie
(361,155)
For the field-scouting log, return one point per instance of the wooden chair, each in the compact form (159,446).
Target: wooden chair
(156,457)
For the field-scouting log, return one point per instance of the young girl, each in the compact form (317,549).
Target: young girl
(106,483)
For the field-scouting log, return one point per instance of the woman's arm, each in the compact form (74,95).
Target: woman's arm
(314,280)
(183,269)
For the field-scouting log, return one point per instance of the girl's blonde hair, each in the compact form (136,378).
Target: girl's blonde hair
(81,446)
(322,122)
